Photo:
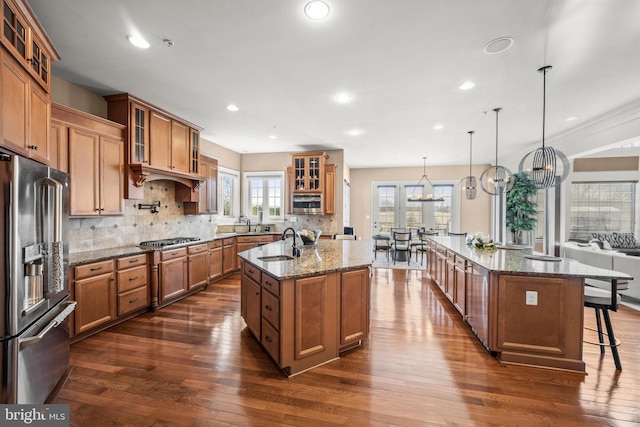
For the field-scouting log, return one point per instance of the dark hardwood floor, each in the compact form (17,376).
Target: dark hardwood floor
(194,363)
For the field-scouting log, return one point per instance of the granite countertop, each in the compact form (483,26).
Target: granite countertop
(87,257)
(328,256)
(515,260)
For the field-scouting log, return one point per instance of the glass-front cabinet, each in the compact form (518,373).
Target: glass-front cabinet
(308,172)
(139,134)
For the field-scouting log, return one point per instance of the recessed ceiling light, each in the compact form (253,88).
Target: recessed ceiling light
(343,98)
(138,41)
(316,10)
(272,136)
(232,107)
(467,86)
(570,119)
(355,132)
(438,127)
(498,45)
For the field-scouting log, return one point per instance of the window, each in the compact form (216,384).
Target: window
(228,193)
(540,199)
(443,210)
(598,207)
(264,193)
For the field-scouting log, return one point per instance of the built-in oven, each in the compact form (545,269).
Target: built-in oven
(304,203)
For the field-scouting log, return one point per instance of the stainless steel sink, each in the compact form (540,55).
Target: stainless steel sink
(275,258)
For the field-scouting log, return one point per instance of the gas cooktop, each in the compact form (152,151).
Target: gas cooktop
(169,242)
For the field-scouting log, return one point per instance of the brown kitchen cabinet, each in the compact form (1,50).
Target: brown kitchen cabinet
(156,142)
(96,173)
(354,307)
(132,284)
(25,104)
(229,261)
(304,322)
(310,173)
(460,285)
(173,275)
(94,290)
(215,259)
(198,266)
(59,146)
(205,199)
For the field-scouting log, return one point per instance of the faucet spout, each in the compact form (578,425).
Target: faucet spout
(295,251)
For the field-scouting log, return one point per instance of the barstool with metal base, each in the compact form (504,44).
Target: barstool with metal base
(602,301)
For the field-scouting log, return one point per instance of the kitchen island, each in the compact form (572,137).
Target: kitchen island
(526,308)
(305,310)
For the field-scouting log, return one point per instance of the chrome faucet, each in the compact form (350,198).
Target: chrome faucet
(248,225)
(295,251)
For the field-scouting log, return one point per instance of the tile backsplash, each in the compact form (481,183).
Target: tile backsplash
(138,225)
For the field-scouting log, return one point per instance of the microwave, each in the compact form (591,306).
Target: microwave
(310,204)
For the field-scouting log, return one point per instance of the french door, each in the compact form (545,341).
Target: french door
(391,209)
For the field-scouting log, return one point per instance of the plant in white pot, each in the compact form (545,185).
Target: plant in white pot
(521,208)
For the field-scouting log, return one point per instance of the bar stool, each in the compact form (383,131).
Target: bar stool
(602,301)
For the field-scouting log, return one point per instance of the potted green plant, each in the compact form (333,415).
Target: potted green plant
(521,208)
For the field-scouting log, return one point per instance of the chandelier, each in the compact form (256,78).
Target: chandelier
(545,161)
(470,183)
(429,197)
(496,180)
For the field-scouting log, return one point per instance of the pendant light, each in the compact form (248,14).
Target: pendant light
(544,169)
(470,183)
(496,180)
(430,197)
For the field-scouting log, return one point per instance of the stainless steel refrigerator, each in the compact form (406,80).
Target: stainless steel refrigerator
(34,288)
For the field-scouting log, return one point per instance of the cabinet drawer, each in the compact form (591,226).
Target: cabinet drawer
(252,272)
(215,244)
(461,262)
(132,278)
(94,269)
(131,261)
(228,241)
(176,253)
(271,340)
(271,309)
(133,300)
(197,249)
(271,284)
(451,256)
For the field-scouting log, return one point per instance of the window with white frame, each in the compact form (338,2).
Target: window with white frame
(264,192)
(600,207)
(228,193)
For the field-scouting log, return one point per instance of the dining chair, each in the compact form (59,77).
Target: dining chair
(457,234)
(422,246)
(401,244)
(381,242)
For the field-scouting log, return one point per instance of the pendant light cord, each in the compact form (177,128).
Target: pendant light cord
(544,70)
(497,110)
(470,150)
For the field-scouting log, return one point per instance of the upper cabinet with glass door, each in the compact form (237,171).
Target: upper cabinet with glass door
(308,172)
(23,36)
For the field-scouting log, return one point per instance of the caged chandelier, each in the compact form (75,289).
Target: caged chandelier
(496,180)
(430,197)
(470,183)
(542,164)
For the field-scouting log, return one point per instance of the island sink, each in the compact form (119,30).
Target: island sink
(275,258)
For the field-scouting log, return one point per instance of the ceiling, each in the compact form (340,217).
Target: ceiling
(402,61)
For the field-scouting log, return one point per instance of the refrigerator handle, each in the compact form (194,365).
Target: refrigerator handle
(56,277)
(26,342)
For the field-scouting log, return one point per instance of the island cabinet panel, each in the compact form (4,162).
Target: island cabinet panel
(252,307)
(449,275)
(354,306)
(315,308)
(478,303)
(459,285)
(540,318)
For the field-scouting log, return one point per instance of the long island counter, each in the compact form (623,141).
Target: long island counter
(524,307)
(305,310)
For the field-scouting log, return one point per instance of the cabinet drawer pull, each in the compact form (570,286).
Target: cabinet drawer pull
(174,253)
(267,338)
(131,261)
(250,271)
(268,307)
(96,268)
(268,283)
(132,278)
(257,293)
(131,301)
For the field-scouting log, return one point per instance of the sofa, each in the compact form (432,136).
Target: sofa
(594,254)
(621,242)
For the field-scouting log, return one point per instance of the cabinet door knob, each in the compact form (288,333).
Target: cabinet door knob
(267,338)
(268,307)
